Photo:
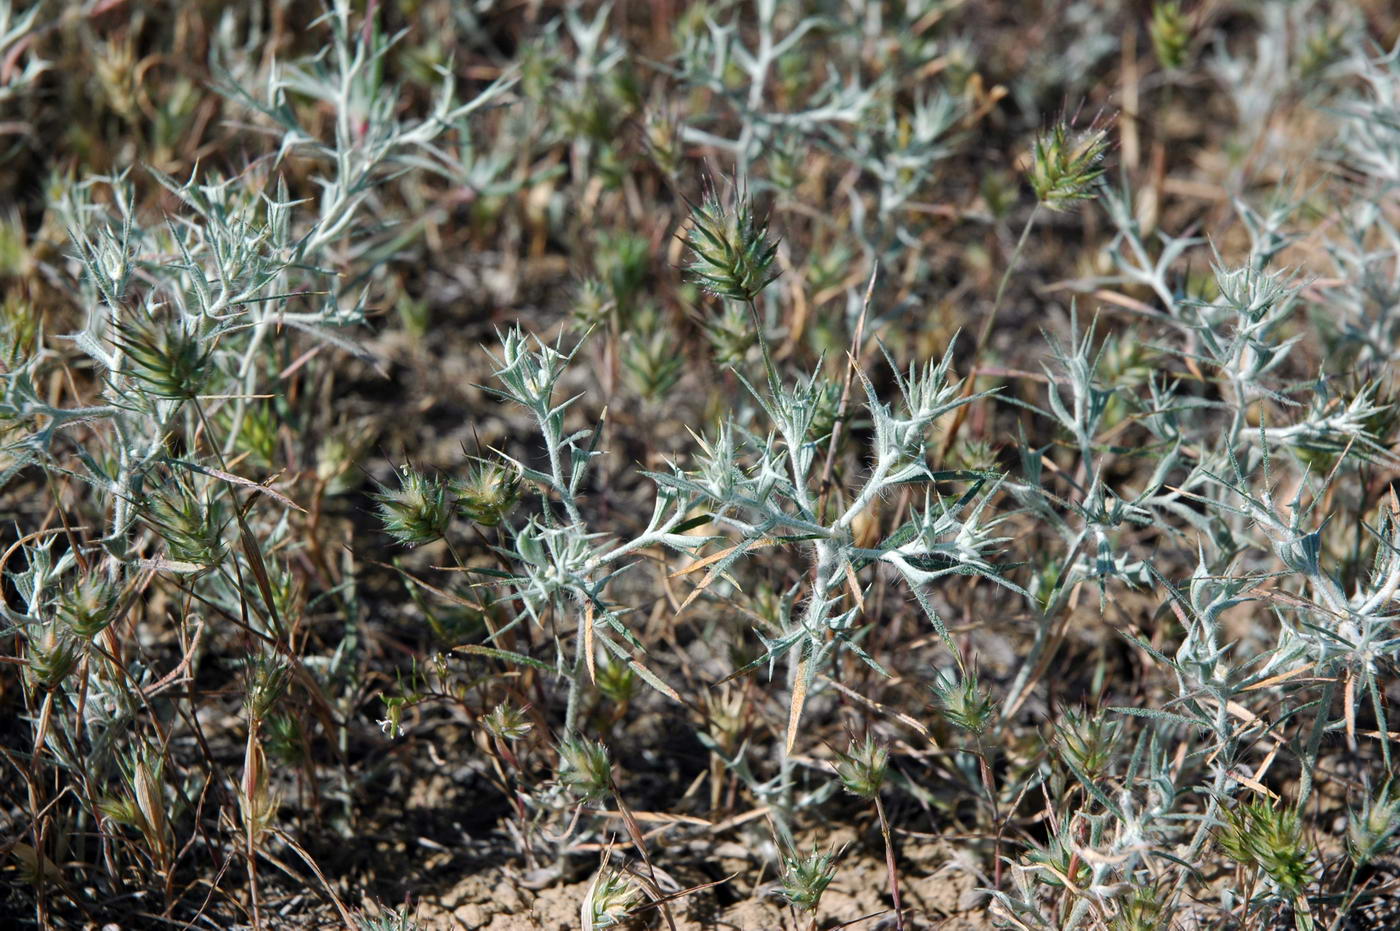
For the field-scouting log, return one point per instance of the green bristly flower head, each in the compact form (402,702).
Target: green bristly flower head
(1087,740)
(732,255)
(1373,830)
(731,335)
(1270,839)
(805,878)
(191,526)
(963,701)
(1065,164)
(611,897)
(862,767)
(1145,909)
(52,657)
(616,681)
(487,493)
(584,768)
(170,361)
(593,303)
(89,606)
(418,511)
(506,722)
(1171,34)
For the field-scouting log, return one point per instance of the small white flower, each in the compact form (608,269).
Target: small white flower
(391,727)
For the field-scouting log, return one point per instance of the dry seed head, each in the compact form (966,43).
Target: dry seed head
(148,788)
(267,679)
(256,800)
(116,65)
(724,717)
(142,806)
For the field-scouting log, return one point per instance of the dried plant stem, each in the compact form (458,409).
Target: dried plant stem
(889,863)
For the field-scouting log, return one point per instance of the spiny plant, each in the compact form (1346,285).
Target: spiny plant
(1110,610)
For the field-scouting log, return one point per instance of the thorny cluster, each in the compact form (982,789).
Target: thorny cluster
(875,534)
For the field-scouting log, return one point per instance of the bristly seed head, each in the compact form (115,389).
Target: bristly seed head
(617,682)
(731,335)
(1086,740)
(52,657)
(192,527)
